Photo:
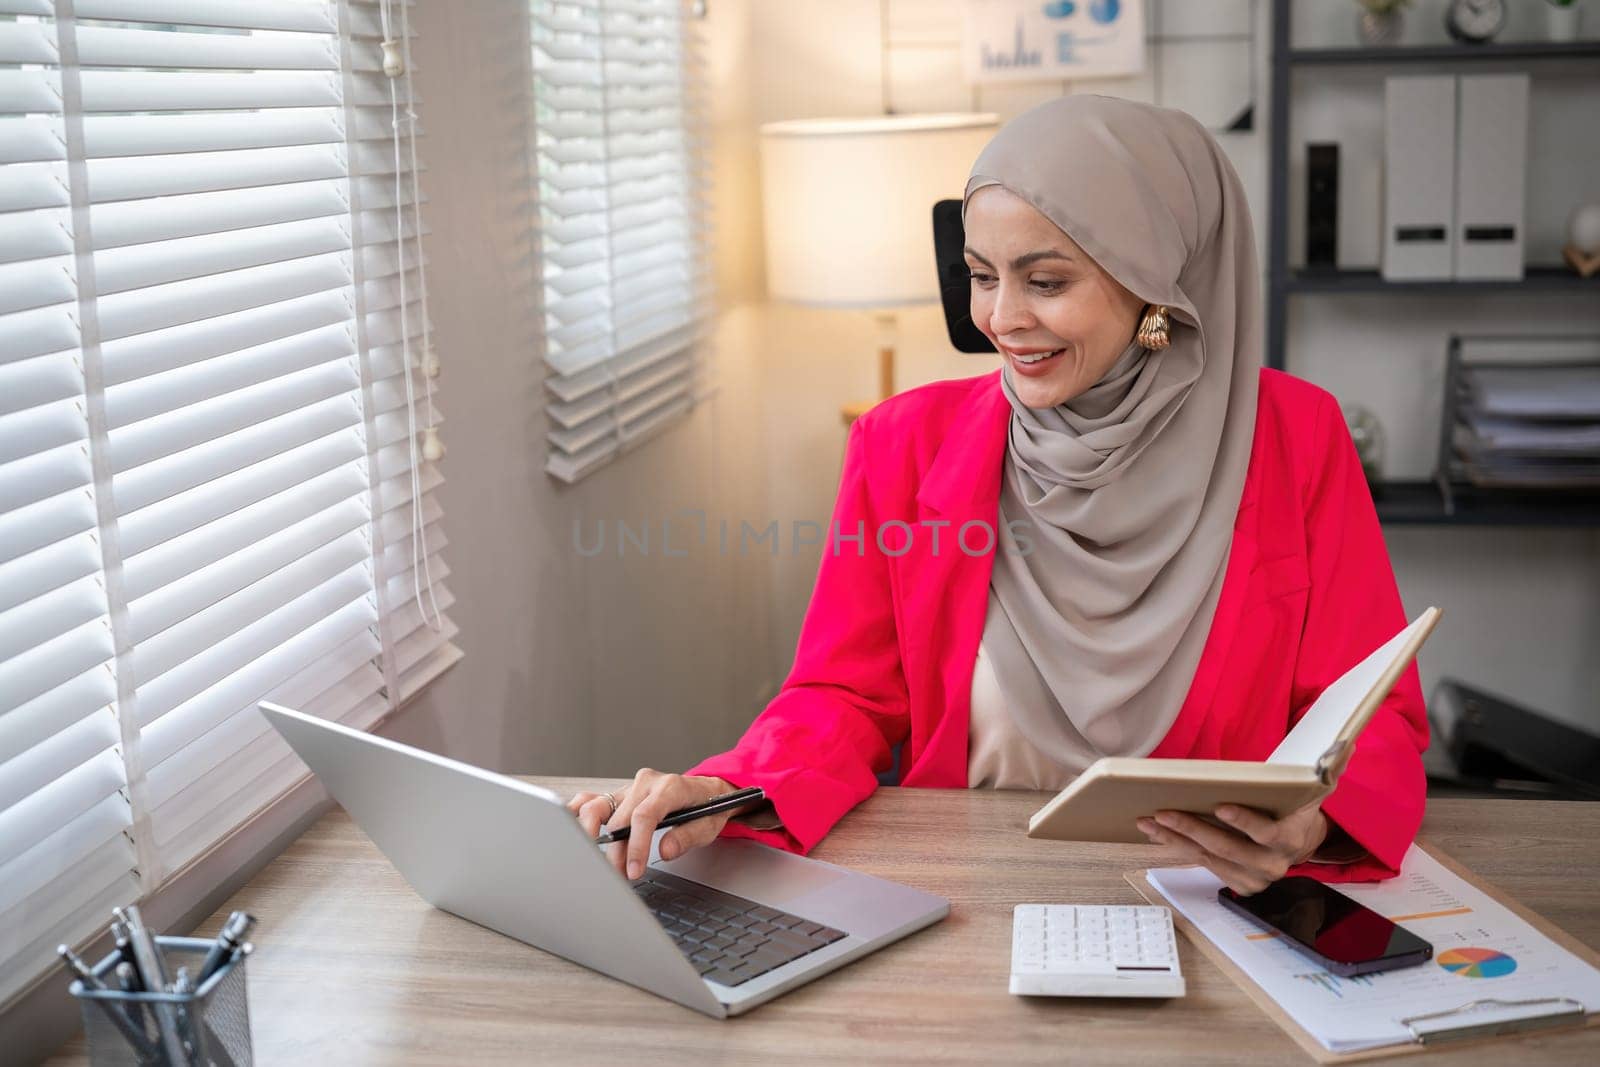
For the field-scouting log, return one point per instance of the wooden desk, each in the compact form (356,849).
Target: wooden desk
(352,967)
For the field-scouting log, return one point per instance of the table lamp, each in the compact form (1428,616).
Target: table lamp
(848,205)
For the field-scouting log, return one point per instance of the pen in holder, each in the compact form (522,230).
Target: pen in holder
(208,1025)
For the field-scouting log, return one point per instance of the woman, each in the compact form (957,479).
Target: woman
(1187,551)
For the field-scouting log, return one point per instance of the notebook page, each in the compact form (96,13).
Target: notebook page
(1320,725)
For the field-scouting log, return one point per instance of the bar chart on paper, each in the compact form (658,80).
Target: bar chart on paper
(1482,950)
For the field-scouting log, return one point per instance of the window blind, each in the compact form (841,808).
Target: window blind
(211,488)
(65,853)
(623,234)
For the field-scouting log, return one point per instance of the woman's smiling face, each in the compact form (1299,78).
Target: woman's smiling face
(1058,320)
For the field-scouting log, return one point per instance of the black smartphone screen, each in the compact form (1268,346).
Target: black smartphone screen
(1346,937)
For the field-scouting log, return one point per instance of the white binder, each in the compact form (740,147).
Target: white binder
(1419,151)
(1491,167)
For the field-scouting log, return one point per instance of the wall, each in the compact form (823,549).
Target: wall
(573,665)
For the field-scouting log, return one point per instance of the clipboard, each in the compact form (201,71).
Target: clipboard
(1473,1023)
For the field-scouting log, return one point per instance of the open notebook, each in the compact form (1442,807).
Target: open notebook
(1103,802)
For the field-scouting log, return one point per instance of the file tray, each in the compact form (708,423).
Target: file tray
(1520,428)
(214,1020)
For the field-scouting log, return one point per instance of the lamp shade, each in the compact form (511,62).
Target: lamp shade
(848,204)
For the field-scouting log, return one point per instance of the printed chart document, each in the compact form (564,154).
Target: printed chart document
(1482,951)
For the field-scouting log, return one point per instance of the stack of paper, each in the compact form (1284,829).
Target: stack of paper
(1536,426)
(1482,952)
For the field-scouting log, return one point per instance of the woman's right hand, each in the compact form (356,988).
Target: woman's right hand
(641,805)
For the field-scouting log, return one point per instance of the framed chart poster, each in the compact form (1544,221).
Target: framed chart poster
(1042,40)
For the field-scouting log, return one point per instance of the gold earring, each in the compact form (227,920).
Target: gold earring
(1155,329)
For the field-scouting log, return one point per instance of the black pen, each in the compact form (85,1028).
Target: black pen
(714,806)
(119,935)
(229,938)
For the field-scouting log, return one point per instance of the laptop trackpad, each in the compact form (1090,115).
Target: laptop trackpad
(747,869)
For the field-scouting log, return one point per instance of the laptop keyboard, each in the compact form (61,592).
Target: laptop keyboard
(729,939)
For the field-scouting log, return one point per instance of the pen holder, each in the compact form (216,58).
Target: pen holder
(209,1026)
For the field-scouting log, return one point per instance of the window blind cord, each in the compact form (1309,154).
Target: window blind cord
(432,448)
(614,388)
(398,55)
(618,426)
(394,67)
(430,358)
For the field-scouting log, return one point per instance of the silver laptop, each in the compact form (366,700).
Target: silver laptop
(719,930)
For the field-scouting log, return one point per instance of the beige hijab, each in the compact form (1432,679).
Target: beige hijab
(1129,491)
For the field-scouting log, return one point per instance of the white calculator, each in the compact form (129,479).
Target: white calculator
(1083,950)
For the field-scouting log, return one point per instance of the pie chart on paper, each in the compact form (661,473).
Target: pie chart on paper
(1476,962)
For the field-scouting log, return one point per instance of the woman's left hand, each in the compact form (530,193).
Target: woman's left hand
(1251,852)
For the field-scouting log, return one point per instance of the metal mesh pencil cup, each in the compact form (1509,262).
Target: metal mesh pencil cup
(210,1026)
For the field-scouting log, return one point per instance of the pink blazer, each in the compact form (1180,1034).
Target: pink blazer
(887,649)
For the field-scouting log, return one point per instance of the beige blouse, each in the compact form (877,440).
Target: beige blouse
(998,755)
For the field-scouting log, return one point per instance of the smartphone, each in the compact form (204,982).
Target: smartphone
(1345,937)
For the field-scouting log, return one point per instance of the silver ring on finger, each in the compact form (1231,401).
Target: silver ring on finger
(613,802)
